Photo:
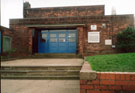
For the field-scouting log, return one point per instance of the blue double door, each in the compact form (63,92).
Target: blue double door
(57,41)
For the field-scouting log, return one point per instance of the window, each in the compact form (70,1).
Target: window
(53,37)
(62,37)
(71,37)
(43,37)
(53,40)
(6,43)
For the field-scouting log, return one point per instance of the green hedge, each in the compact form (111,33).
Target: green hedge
(126,40)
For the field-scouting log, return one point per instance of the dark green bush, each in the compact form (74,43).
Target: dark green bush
(126,40)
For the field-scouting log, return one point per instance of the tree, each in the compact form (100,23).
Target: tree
(126,40)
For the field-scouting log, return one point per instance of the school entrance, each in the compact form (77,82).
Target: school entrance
(57,41)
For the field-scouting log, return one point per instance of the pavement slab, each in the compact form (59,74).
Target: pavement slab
(40,86)
(43,62)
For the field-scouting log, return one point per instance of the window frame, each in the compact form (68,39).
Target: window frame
(10,45)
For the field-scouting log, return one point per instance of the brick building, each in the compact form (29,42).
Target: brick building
(83,30)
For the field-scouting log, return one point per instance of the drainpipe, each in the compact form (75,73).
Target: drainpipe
(112,36)
(112,28)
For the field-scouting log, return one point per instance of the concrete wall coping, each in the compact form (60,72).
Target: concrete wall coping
(87,73)
(116,72)
(63,7)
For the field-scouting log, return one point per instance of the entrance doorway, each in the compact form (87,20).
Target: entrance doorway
(57,41)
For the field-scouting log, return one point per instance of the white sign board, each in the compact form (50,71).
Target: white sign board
(93,27)
(93,37)
(108,42)
(113,46)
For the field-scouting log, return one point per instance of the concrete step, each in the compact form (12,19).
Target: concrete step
(57,55)
(53,68)
(71,77)
(38,72)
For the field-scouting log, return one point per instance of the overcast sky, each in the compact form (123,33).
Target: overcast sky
(13,8)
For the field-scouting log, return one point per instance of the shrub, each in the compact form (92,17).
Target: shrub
(126,40)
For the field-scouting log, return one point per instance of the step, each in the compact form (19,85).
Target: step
(40,67)
(38,72)
(56,55)
(34,71)
(71,77)
(41,72)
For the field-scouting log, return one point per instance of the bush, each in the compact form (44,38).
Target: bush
(126,40)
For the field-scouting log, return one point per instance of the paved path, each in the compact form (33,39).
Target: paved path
(42,62)
(40,86)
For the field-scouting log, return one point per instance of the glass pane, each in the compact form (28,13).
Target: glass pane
(57,30)
(44,31)
(71,39)
(44,36)
(62,40)
(71,35)
(52,35)
(62,35)
(53,40)
(6,43)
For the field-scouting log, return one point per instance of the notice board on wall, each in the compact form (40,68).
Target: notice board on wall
(108,42)
(93,37)
(93,27)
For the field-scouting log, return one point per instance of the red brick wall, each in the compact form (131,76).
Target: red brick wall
(114,24)
(65,11)
(80,39)
(119,82)
(21,40)
(106,82)
(6,31)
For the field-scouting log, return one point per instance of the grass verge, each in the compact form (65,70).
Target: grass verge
(113,63)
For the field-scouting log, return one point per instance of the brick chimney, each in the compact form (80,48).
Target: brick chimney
(26,5)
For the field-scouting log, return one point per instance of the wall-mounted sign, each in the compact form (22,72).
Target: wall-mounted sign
(113,46)
(103,25)
(93,37)
(108,42)
(93,27)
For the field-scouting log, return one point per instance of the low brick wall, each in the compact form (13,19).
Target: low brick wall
(106,82)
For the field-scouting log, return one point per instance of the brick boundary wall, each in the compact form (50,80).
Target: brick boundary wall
(106,82)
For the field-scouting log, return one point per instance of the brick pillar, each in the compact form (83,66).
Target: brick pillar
(80,40)
(30,40)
